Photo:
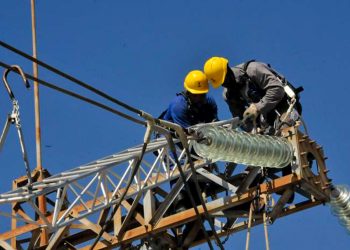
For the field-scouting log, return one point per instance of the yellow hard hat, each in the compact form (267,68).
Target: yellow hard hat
(216,68)
(196,82)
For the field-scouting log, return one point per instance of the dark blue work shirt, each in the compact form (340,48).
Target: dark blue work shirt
(180,112)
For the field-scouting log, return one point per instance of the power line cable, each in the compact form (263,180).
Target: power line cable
(80,97)
(71,78)
(100,93)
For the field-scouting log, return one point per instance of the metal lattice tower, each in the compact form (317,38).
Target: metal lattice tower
(82,198)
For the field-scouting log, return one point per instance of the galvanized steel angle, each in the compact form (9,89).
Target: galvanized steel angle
(101,185)
(69,209)
(60,198)
(137,180)
(80,170)
(149,175)
(58,179)
(87,191)
(118,177)
(21,198)
(166,162)
(142,170)
(182,153)
(153,168)
(129,168)
(117,188)
(108,173)
(104,188)
(78,197)
(95,195)
(160,163)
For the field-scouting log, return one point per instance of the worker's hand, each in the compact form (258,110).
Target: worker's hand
(250,114)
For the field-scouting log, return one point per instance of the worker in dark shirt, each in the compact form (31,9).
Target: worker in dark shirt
(256,93)
(254,90)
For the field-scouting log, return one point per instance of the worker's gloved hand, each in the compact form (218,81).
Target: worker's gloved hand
(250,114)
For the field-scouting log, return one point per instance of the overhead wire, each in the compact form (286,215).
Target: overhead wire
(71,78)
(77,96)
(70,93)
(102,94)
(135,169)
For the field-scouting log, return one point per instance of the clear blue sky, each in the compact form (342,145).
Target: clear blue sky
(140,52)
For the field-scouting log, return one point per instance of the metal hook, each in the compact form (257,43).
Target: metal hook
(14,118)
(4,78)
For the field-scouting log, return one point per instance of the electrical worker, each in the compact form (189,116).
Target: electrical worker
(192,106)
(188,108)
(254,90)
(257,94)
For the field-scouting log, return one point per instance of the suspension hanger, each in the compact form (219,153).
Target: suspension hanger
(14,118)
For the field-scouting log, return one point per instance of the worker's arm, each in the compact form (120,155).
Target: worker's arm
(265,79)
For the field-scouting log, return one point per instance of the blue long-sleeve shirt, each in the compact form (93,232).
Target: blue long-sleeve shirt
(180,112)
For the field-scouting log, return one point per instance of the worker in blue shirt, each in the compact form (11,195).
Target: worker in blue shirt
(188,108)
(192,106)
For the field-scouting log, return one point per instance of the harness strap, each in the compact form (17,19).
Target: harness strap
(284,82)
(246,64)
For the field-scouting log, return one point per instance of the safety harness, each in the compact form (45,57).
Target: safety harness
(193,110)
(255,93)
(289,89)
(189,107)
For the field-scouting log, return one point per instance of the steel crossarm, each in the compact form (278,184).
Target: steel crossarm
(91,188)
(62,179)
(97,185)
(82,198)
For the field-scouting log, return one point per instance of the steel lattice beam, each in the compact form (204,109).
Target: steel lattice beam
(83,197)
